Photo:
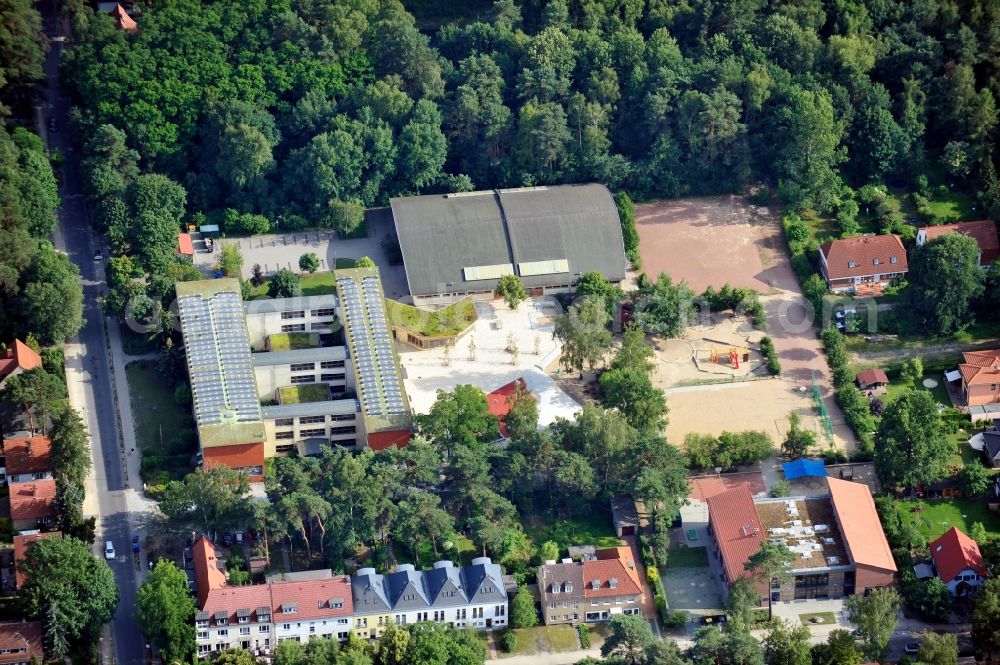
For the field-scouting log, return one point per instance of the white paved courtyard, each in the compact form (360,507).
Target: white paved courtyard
(530,327)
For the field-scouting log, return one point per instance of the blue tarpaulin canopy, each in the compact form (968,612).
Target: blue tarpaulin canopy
(803,467)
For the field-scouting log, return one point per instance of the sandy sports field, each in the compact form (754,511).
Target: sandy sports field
(757,405)
(712,241)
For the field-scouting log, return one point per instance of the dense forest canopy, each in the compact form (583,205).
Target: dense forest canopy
(306,110)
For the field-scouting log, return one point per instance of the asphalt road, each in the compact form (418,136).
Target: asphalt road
(75,237)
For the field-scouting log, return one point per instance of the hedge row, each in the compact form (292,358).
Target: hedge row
(857,411)
(767,348)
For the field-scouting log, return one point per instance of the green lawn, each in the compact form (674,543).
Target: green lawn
(345,264)
(292,341)
(821,228)
(450,320)
(934,517)
(164,429)
(308,392)
(954,206)
(543,639)
(315,284)
(592,529)
(687,557)
(821,618)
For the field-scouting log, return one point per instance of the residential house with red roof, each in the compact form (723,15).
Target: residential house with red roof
(959,562)
(865,263)
(21,643)
(310,604)
(872,382)
(980,372)
(27,458)
(22,543)
(500,400)
(32,504)
(589,591)
(16,359)
(122,20)
(984,232)
(837,539)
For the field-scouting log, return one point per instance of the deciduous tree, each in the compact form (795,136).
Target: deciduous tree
(165,609)
(875,616)
(910,446)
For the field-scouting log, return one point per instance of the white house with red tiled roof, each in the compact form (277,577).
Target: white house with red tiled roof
(868,261)
(984,232)
(959,562)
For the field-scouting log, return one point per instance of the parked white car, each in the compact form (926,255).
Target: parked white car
(109,550)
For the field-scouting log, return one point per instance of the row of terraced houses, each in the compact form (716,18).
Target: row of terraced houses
(318,604)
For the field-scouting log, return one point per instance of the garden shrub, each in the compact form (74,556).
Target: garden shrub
(236,223)
(584,636)
(770,355)
(509,641)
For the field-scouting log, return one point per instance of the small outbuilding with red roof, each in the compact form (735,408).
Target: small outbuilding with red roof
(16,359)
(959,562)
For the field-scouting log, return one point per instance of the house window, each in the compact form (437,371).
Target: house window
(342,417)
(286,626)
(312,420)
(892,259)
(222,632)
(303,367)
(286,448)
(852,264)
(875,262)
(203,635)
(305,378)
(293,327)
(312,629)
(343,430)
(264,629)
(553,606)
(324,311)
(331,364)
(313,432)
(295,314)
(284,435)
(245,630)
(331,377)
(283,422)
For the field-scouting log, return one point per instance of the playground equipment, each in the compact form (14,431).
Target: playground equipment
(735,354)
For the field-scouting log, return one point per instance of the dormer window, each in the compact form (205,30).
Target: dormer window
(613,582)
(852,264)
(595,584)
(555,588)
(875,262)
(892,259)
(568,587)
(289,609)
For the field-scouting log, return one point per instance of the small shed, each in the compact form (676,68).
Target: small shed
(873,382)
(625,516)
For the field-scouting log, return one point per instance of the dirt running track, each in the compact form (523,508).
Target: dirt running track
(714,240)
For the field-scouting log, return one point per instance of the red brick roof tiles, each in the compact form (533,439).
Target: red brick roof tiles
(27,454)
(979,367)
(870,376)
(18,355)
(708,486)
(24,638)
(736,527)
(855,257)
(860,525)
(22,543)
(984,232)
(314,599)
(32,500)
(953,552)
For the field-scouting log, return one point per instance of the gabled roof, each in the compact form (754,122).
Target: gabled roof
(206,569)
(546,235)
(980,367)
(27,454)
(122,20)
(737,528)
(32,500)
(498,401)
(984,232)
(406,588)
(953,552)
(369,592)
(857,256)
(22,640)
(444,585)
(624,555)
(565,580)
(859,522)
(991,442)
(623,512)
(22,543)
(314,599)
(608,575)
(18,356)
(484,581)
(871,376)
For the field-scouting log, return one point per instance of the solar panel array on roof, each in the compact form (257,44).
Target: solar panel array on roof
(218,355)
(380,387)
